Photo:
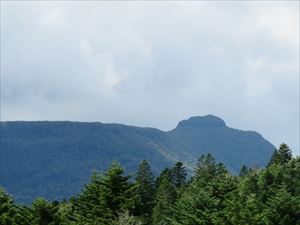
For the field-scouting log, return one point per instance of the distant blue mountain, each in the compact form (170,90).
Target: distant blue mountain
(55,159)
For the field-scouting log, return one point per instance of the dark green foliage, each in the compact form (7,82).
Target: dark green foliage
(212,196)
(283,208)
(7,210)
(118,194)
(282,155)
(23,215)
(55,159)
(179,175)
(43,212)
(91,205)
(207,169)
(145,190)
(164,198)
(105,196)
(204,200)
(244,171)
(124,218)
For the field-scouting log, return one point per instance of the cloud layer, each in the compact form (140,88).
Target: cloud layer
(153,63)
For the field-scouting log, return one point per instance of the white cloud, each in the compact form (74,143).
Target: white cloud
(54,17)
(153,63)
(261,74)
(281,23)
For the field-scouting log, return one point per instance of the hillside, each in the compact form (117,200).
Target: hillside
(209,134)
(54,159)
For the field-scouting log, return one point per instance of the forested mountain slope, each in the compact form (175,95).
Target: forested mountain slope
(209,134)
(54,159)
(211,196)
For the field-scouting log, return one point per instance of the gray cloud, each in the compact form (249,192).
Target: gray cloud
(153,63)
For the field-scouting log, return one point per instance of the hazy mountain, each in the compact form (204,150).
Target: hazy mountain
(209,134)
(54,159)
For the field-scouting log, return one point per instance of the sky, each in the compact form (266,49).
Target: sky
(153,64)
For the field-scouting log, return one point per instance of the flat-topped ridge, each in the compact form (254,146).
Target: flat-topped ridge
(202,121)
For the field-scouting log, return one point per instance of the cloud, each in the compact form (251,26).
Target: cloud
(153,63)
(280,23)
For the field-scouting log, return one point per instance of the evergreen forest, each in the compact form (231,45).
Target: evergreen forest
(210,195)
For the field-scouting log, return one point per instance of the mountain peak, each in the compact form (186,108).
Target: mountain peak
(202,121)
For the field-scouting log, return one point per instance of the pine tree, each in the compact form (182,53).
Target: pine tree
(264,196)
(179,175)
(43,212)
(105,196)
(119,192)
(164,199)
(197,205)
(7,209)
(283,208)
(281,156)
(244,171)
(91,206)
(251,212)
(207,169)
(293,178)
(23,215)
(144,191)
(285,152)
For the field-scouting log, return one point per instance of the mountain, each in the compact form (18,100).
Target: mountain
(209,134)
(54,159)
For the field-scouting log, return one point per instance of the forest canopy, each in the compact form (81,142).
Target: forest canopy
(211,195)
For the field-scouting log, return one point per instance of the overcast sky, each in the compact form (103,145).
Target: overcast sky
(153,63)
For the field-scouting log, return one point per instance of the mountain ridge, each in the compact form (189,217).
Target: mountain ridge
(61,154)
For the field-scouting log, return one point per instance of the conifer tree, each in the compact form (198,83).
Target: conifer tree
(23,215)
(267,196)
(205,167)
(66,214)
(283,208)
(293,180)
(105,196)
(7,210)
(43,212)
(164,199)
(195,206)
(281,156)
(119,192)
(179,175)
(91,205)
(244,171)
(144,191)
(285,153)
